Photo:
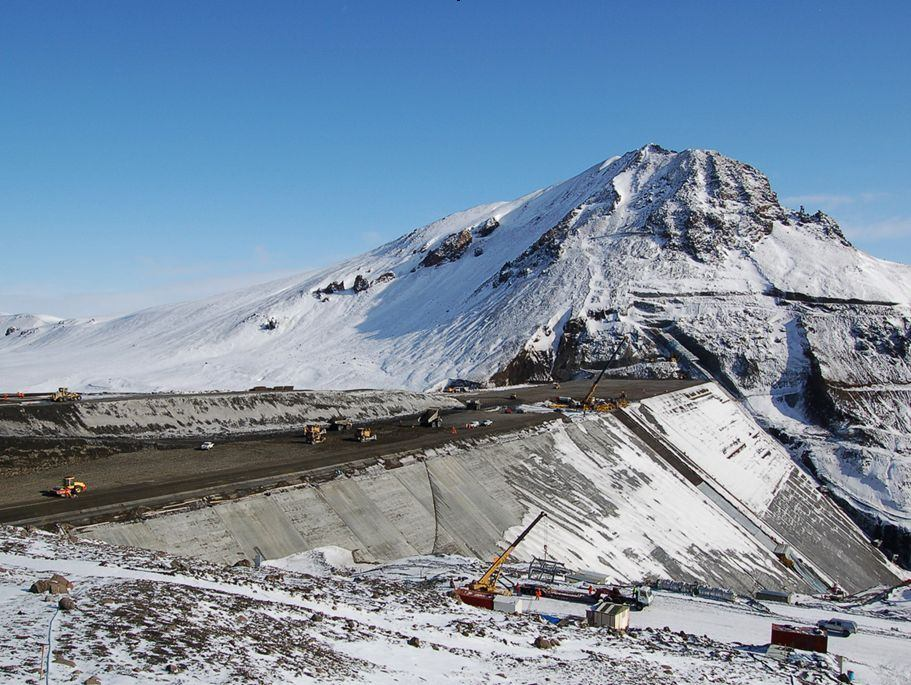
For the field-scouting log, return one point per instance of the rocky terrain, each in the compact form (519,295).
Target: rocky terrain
(136,616)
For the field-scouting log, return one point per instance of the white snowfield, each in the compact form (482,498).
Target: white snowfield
(690,245)
(139,613)
(430,323)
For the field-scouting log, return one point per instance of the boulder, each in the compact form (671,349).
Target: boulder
(542,642)
(384,278)
(56,585)
(67,603)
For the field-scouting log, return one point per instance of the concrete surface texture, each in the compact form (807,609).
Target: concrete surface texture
(712,433)
(176,416)
(614,503)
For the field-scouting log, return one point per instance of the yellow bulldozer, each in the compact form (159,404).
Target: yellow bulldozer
(70,487)
(64,395)
(314,434)
(365,434)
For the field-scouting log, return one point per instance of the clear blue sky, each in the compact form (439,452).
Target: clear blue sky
(157,151)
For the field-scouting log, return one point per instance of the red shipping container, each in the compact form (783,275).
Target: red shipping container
(808,638)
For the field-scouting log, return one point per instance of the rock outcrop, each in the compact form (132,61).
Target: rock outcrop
(449,250)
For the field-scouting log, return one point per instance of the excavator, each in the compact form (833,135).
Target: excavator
(480,592)
(590,403)
(71,487)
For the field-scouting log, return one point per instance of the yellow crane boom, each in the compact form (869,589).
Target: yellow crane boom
(587,402)
(488,582)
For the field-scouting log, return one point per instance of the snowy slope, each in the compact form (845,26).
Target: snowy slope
(651,221)
(690,248)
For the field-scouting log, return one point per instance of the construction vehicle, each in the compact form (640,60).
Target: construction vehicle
(489,582)
(365,434)
(71,487)
(590,403)
(431,418)
(64,395)
(636,597)
(314,434)
(338,423)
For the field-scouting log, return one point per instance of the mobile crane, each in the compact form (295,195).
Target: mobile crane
(590,403)
(481,591)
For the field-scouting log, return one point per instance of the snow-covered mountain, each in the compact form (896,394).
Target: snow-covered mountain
(689,254)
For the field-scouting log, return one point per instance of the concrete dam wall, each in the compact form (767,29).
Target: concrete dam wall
(178,416)
(623,492)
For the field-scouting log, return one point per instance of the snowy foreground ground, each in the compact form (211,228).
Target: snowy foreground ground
(149,617)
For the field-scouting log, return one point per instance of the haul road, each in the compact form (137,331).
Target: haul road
(154,477)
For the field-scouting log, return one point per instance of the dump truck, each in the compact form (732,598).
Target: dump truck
(339,423)
(64,395)
(314,434)
(70,487)
(431,418)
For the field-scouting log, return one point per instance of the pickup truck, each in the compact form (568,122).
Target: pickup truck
(838,626)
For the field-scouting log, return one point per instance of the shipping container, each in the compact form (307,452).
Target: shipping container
(809,638)
(607,615)
(508,604)
(775,596)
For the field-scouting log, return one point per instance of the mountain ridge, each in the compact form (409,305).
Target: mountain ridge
(687,255)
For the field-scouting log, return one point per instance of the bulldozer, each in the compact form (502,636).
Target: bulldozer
(314,434)
(365,434)
(64,395)
(70,487)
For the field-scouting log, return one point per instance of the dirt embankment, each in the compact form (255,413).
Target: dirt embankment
(153,417)
(45,434)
